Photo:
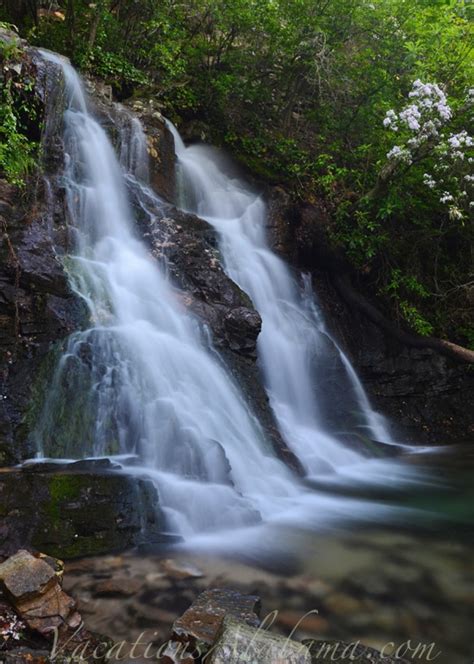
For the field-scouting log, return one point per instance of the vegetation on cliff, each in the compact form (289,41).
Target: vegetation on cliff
(361,105)
(17,151)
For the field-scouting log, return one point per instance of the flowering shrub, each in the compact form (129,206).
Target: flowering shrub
(424,127)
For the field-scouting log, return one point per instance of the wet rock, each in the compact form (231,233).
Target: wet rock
(187,246)
(199,625)
(324,651)
(160,147)
(280,221)
(242,327)
(76,512)
(37,307)
(238,643)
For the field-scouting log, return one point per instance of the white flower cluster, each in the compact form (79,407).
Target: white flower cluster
(428,112)
(424,119)
(446,197)
(390,120)
(411,116)
(430,96)
(400,154)
(458,143)
(429,181)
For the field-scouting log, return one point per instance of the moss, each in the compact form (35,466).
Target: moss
(63,487)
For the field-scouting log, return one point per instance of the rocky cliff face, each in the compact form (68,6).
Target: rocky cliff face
(37,306)
(428,396)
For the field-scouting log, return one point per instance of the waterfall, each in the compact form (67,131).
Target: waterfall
(296,351)
(141,379)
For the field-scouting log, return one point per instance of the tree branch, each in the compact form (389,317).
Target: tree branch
(356,299)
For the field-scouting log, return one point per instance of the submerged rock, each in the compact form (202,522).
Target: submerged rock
(238,643)
(76,511)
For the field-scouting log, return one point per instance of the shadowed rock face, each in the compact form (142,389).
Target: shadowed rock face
(37,307)
(429,397)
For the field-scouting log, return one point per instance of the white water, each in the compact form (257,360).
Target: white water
(294,343)
(140,379)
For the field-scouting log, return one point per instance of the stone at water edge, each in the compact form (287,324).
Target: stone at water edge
(238,643)
(23,576)
(32,585)
(196,630)
(202,620)
(34,590)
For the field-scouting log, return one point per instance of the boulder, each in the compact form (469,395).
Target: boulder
(196,630)
(23,577)
(78,511)
(238,643)
(242,327)
(45,618)
(35,592)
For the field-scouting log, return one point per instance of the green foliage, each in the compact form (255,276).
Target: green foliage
(298,90)
(17,152)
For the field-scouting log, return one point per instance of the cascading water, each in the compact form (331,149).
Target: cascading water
(295,350)
(140,379)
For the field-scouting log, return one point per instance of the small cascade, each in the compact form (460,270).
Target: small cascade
(306,373)
(141,379)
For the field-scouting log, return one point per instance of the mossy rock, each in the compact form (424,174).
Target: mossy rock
(75,511)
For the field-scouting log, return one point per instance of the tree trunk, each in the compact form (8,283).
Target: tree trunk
(71,24)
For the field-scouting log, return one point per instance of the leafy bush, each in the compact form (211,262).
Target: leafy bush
(299,90)
(17,152)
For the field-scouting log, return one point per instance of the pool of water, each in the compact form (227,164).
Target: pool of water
(401,579)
